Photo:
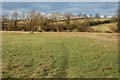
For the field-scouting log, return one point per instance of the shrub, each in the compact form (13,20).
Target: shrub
(107,21)
(81,28)
(50,28)
(55,27)
(60,27)
(40,31)
(73,27)
(88,29)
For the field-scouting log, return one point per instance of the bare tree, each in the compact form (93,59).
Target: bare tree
(58,15)
(91,16)
(53,15)
(15,15)
(32,15)
(105,16)
(84,15)
(80,15)
(97,16)
(23,15)
(15,18)
(68,14)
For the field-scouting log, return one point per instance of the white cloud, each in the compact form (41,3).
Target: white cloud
(10,12)
(71,9)
(16,10)
(60,0)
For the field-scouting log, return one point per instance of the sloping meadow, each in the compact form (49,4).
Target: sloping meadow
(55,55)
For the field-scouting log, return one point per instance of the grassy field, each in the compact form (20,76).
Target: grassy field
(80,20)
(104,27)
(55,55)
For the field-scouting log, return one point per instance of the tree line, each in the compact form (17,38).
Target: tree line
(34,21)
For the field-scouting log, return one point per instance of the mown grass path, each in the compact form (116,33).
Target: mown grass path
(65,65)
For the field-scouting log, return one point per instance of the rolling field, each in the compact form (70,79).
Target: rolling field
(104,27)
(59,55)
(79,20)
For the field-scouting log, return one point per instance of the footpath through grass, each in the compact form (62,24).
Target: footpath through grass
(54,55)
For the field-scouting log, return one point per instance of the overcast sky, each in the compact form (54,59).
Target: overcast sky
(60,0)
(102,8)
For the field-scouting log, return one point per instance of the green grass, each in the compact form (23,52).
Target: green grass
(104,27)
(80,20)
(50,55)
